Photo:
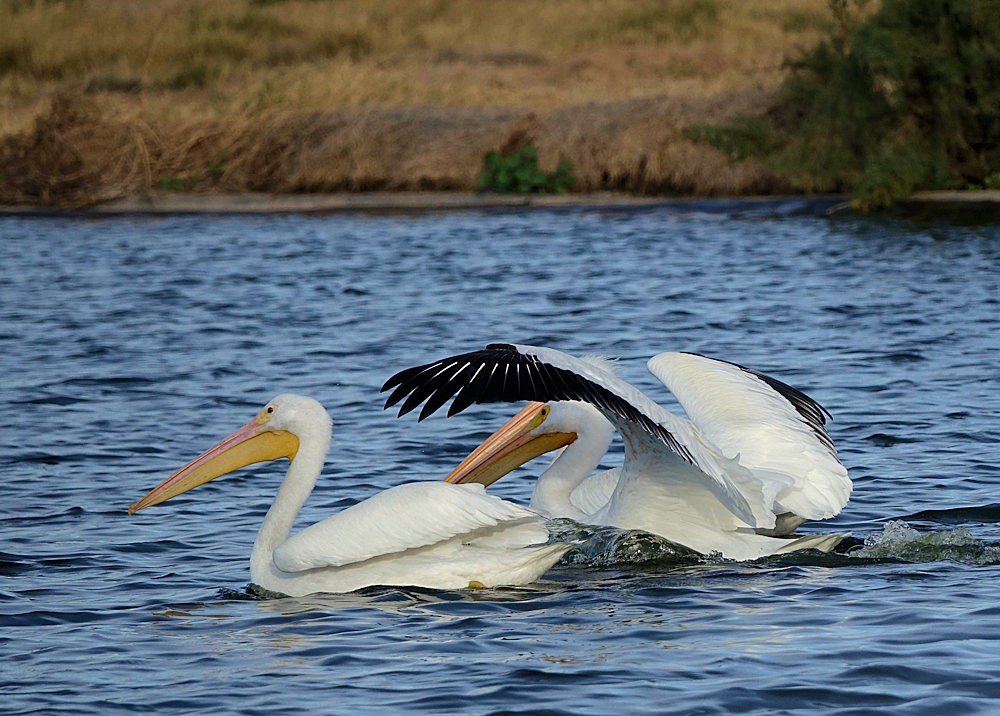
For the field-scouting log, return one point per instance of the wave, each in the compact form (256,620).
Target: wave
(612,547)
(609,546)
(603,547)
(899,541)
(958,515)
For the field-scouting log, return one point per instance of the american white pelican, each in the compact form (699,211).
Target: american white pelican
(425,534)
(753,462)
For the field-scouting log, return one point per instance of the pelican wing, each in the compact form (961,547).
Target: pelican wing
(504,372)
(595,492)
(508,373)
(775,430)
(407,516)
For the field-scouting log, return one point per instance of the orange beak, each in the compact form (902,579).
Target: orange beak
(251,443)
(510,447)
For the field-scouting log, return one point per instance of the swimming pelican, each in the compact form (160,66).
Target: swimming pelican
(424,534)
(753,462)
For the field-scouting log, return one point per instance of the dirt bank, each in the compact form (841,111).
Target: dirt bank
(85,151)
(101,100)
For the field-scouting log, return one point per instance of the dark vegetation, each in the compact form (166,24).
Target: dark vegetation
(905,99)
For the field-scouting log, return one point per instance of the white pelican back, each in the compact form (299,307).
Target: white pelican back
(426,534)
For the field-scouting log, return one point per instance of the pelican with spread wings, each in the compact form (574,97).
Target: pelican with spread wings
(750,464)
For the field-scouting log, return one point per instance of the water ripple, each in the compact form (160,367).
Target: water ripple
(181,327)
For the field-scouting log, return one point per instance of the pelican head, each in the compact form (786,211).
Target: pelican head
(535,430)
(273,434)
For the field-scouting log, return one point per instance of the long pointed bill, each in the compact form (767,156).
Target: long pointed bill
(510,447)
(250,444)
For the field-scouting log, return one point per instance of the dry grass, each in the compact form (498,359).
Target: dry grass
(104,97)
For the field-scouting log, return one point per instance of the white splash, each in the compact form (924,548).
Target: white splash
(900,541)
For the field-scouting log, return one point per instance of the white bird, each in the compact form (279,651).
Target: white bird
(753,462)
(424,534)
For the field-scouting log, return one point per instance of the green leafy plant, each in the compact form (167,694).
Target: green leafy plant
(171,182)
(517,172)
(907,99)
(902,99)
(746,136)
(216,169)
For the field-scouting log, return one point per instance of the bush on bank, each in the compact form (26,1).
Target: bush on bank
(907,99)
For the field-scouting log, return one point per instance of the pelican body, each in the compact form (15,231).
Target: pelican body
(751,464)
(426,534)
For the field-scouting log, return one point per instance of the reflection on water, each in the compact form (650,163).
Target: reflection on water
(126,344)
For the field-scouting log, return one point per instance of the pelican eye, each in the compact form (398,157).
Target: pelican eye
(270,409)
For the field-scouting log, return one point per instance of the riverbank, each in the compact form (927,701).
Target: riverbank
(105,101)
(966,203)
(86,152)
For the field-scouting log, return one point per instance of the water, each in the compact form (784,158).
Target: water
(129,345)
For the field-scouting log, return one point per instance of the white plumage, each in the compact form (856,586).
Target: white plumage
(428,534)
(742,415)
(750,465)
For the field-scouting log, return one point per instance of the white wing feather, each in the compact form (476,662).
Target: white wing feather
(741,494)
(407,516)
(594,492)
(747,419)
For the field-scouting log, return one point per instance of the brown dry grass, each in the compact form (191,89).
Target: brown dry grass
(103,98)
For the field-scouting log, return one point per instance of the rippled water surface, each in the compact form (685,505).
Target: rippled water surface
(129,345)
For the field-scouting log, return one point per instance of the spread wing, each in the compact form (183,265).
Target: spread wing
(778,432)
(504,372)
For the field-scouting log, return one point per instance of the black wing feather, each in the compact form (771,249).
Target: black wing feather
(447,389)
(433,384)
(404,376)
(405,380)
(467,395)
(501,374)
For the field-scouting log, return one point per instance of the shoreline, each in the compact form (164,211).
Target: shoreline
(165,204)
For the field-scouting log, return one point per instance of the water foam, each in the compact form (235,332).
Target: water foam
(898,540)
(610,546)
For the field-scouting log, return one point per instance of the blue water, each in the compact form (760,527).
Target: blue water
(128,345)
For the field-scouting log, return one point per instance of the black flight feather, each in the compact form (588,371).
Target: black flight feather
(500,373)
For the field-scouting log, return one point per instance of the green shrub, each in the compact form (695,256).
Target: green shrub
(904,100)
(908,99)
(517,172)
(746,136)
(171,182)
